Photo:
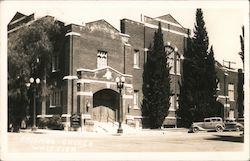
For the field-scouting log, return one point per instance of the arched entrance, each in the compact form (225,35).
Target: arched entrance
(105,105)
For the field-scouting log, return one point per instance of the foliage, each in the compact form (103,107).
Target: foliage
(198,89)
(242,39)
(186,110)
(240,91)
(55,123)
(30,51)
(156,83)
(42,122)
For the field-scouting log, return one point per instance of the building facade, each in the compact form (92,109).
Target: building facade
(229,83)
(96,53)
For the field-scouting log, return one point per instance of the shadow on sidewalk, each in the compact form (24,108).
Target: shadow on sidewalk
(238,139)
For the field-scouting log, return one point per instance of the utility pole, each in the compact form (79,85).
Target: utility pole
(228,64)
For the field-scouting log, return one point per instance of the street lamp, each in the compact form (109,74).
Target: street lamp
(37,81)
(120,84)
(225,93)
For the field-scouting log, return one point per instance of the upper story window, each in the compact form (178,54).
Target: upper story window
(55,98)
(136,99)
(102,59)
(136,59)
(173,59)
(231,92)
(55,63)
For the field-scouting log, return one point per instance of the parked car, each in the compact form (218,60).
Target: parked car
(209,124)
(241,121)
(232,125)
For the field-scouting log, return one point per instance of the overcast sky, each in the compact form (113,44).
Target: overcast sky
(223,19)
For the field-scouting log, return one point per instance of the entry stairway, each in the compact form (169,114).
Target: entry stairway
(111,127)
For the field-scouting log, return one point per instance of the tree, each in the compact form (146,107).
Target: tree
(212,81)
(30,52)
(186,103)
(156,83)
(240,90)
(242,39)
(198,88)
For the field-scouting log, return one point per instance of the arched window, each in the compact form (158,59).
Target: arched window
(173,59)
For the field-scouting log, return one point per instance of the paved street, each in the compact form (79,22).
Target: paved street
(153,141)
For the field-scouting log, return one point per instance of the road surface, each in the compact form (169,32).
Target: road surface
(148,141)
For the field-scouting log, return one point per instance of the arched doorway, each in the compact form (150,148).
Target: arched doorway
(105,105)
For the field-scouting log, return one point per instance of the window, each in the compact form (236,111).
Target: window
(171,108)
(218,86)
(136,99)
(178,65)
(78,87)
(231,92)
(102,57)
(136,58)
(172,103)
(55,63)
(172,58)
(55,98)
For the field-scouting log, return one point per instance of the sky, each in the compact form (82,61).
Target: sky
(223,19)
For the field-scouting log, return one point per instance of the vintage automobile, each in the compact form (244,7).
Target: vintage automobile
(209,124)
(232,125)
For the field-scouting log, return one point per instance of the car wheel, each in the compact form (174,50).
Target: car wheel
(219,128)
(195,129)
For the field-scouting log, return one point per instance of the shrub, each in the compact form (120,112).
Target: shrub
(55,123)
(42,122)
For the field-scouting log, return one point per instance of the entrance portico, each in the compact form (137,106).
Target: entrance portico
(97,94)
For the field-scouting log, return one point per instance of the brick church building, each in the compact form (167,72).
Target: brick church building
(96,54)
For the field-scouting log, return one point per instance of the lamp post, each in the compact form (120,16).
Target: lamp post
(175,79)
(120,84)
(32,81)
(225,93)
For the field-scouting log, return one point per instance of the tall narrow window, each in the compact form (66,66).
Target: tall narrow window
(171,108)
(178,70)
(102,57)
(231,92)
(172,58)
(136,58)
(136,99)
(55,98)
(55,63)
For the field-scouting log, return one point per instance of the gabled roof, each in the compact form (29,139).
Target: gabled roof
(102,22)
(168,18)
(17,16)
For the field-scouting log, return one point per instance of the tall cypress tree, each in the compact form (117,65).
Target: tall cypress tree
(186,103)
(205,75)
(211,86)
(198,89)
(156,83)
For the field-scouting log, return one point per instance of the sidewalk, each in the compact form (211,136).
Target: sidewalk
(143,132)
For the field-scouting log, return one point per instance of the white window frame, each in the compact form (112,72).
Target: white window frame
(136,99)
(171,108)
(55,98)
(218,86)
(55,63)
(136,61)
(231,91)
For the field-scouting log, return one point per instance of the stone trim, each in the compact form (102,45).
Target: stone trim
(99,81)
(73,33)
(127,96)
(107,67)
(70,77)
(164,29)
(66,115)
(38,116)
(84,93)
